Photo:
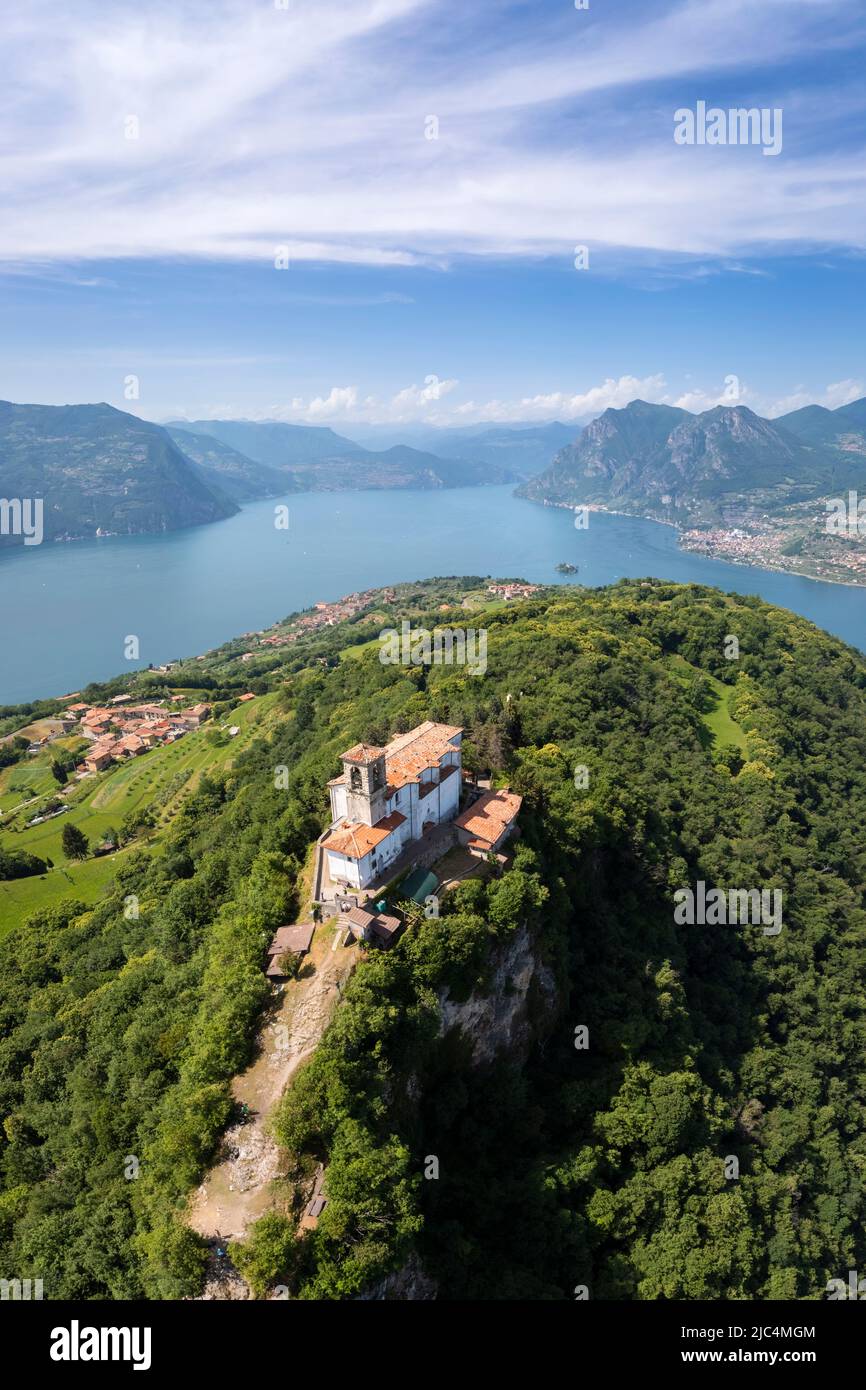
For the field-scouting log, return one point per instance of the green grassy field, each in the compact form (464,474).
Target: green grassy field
(718,722)
(22,896)
(351,653)
(101,803)
(33,777)
(477,599)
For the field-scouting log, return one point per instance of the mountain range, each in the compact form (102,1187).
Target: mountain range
(316,458)
(99,470)
(660,460)
(527,448)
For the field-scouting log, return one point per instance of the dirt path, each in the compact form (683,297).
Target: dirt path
(237,1189)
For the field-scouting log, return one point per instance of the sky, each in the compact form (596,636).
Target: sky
(428,211)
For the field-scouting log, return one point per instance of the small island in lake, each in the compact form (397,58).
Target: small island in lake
(565,568)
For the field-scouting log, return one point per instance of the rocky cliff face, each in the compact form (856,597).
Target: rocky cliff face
(500,1019)
(409,1284)
(98,469)
(503,1019)
(660,459)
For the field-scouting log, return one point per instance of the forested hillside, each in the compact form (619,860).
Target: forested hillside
(602,1166)
(95,469)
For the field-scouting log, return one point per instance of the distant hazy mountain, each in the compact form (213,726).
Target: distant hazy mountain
(525,449)
(843,429)
(317,459)
(272,443)
(98,468)
(397,467)
(659,460)
(855,411)
(221,466)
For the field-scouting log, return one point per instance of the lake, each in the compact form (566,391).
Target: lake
(66,610)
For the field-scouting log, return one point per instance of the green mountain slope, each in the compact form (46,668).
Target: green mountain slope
(319,460)
(840,429)
(607,1165)
(221,466)
(273,443)
(99,468)
(855,412)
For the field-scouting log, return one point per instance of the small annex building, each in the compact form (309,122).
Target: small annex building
(375,928)
(288,941)
(484,827)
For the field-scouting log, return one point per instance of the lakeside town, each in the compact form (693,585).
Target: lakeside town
(349,606)
(321,615)
(792,543)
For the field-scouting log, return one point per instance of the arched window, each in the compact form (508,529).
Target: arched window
(355,779)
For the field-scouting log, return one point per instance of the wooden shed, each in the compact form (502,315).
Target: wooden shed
(288,941)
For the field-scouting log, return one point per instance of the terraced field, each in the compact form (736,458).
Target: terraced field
(33,777)
(158,779)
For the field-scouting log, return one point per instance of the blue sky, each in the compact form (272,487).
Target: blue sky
(429,279)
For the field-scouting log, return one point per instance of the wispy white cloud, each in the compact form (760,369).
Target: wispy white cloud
(427,403)
(567,405)
(411,403)
(340,400)
(305,127)
(837,394)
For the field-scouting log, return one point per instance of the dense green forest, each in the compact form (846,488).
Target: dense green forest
(606,1166)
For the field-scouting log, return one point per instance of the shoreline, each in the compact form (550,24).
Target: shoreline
(268,587)
(707,554)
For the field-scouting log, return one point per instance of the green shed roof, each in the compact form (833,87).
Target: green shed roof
(419,885)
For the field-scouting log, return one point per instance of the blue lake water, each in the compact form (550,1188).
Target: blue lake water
(65,610)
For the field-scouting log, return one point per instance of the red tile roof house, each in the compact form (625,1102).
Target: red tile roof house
(99,757)
(387,797)
(192,718)
(130,745)
(96,723)
(485,825)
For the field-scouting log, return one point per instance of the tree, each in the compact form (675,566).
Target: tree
(269,1254)
(289,963)
(134,822)
(74,842)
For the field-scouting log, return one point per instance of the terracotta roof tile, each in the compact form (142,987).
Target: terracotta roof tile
(362,753)
(355,840)
(408,755)
(492,813)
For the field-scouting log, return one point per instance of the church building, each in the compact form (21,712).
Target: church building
(387,797)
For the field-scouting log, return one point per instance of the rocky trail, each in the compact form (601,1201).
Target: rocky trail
(238,1189)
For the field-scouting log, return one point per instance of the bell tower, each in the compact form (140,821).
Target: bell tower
(364,768)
